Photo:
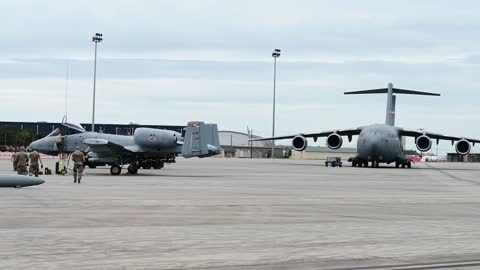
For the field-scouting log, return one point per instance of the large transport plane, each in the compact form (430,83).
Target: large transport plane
(380,143)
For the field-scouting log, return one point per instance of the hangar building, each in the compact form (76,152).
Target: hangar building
(472,157)
(236,144)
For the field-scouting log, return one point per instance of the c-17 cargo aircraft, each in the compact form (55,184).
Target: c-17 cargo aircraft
(380,143)
(147,148)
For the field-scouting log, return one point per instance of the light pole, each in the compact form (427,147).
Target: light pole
(275,55)
(97,38)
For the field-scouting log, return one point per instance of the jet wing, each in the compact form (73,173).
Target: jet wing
(342,132)
(435,136)
(102,146)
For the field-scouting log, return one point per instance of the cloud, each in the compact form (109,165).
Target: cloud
(168,62)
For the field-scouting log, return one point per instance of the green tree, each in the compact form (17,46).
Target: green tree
(8,135)
(24,137)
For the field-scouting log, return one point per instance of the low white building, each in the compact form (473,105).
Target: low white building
(236,144)
(320,152)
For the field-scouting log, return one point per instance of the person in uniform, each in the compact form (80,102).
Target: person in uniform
(60,142)
(22,161)
(14,160)
(78,160)
(34,159)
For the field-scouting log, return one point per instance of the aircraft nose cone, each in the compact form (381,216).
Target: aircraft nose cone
(19,181)
(37,181)
(375,146)
(33,146)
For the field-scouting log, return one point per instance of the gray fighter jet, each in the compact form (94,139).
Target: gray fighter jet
(147,148)
(380,143)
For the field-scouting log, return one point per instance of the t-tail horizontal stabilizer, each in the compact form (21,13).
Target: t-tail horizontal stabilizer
(391,98)
(201,140)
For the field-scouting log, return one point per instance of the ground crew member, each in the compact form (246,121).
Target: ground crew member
(78,160)
(60,142)
(22,161)
(14,160)
(34,159)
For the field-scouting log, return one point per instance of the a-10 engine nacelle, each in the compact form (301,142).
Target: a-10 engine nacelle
(463,147)
(150,137)
(334,141)
(424,143)
(299,143)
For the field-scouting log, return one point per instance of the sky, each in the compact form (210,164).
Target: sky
(169,62)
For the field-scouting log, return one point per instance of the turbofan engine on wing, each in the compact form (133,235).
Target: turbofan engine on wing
(463,147)
(299,143)
(150,137)
(334,141)
(423,143)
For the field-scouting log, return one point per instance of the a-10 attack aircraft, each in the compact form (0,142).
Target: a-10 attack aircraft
(380,143)
(147,148)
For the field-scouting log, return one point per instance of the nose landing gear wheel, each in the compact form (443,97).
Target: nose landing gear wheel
(115,170)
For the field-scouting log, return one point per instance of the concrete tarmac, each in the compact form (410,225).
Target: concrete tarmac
(246,214)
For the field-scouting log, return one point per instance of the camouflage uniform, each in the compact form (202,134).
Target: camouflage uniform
(22,162)
(34,159)
(14,161)
(78,160)
(60,142)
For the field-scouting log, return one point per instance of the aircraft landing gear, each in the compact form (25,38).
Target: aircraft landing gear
(407,164)
(158,164)
(115,170)
(354,164)
(147,164)
(132,169)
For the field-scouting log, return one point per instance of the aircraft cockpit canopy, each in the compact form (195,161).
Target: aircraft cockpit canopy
(69,130)
(54,133)
(73,129)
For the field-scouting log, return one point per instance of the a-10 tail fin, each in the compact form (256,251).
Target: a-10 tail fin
(201,140)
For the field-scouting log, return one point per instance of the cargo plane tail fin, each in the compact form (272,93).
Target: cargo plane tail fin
(201,140)
(391,98)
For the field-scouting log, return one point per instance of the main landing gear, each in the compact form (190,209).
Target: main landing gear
(407,163)
(359,164)
(115,170)
(132,169)
(148,164)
